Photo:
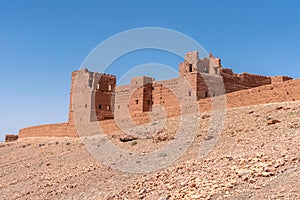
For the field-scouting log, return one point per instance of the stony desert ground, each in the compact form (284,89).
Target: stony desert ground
(257,156)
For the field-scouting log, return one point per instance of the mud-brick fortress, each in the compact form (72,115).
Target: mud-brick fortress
(100,100)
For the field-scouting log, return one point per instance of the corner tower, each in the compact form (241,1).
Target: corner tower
(92,95)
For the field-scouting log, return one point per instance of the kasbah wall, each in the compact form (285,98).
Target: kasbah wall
(102,101)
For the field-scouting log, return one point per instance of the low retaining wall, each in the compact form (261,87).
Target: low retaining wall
(52,130)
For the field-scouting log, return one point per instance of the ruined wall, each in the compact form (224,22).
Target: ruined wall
(51,130)
(273,93)
(235,82)
(192,63)
(276,79)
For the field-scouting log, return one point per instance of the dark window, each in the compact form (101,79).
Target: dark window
(206,94)
(136,101)
(118,106)
(190,93)
(100,106)
(190,67)
(148,102)
(85,105)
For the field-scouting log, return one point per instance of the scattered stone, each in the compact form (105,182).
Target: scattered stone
(273,121)
(265,174)
(279,108)
(128,138)
(205,116)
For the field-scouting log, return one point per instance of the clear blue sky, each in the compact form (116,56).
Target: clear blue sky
(42,42)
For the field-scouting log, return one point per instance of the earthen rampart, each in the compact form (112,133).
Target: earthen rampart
(51,130)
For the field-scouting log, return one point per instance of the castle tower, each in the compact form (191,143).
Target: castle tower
(104,96)
(192,64)
(199,72)
(91,96)
(141,98)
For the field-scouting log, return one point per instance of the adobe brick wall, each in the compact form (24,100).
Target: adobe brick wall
(104,102)
(235,82)
(98,98)
(272,93)
(276,79)
(52,130)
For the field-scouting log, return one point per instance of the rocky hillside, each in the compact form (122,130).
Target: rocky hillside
(257,156)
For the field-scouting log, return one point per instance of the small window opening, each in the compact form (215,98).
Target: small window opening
(118,106)
(148,102)
(206,94)
(98,86)
(190,93)
(136,101)
(190,67)
(85,105)
(100,106)
(109,87)
(108,107)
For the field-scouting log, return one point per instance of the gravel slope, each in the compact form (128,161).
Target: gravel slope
(257,156)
